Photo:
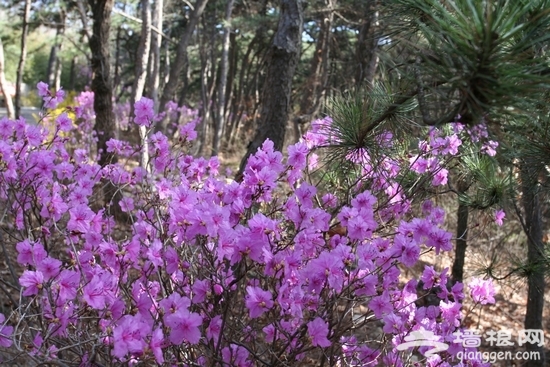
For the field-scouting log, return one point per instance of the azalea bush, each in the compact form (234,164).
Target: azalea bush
(208,271)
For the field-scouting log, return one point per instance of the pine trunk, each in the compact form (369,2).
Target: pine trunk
(284,56)
(535,257)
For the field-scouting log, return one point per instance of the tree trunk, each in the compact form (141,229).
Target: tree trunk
(4,85)
(72,75)
(117,78)
(284,56)
(461,235)
(156,42)
(367,45)
(175,70)
(535,256)
(141,74)
(222,85)
(103,103)
(101,78)
(22,58)
(52,61)
(208,84)
(318,74)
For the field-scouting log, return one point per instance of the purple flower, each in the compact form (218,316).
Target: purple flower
(499,216)
(318,332)
(93,293)
(156,344)
(49,267)
(5,333)
(440,178)
(482,291)
(43,89)
(381,305)
(127,336)
(32,280)
(258,301)
(297,155)
(185,327)
(144,111)
(64,123)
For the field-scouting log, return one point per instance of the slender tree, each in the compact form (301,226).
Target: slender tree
(176,68)
(22,57)
(283,58)
(222,83)
(101,78)
(156,43)
(367,45)
(141,72)
(4,84)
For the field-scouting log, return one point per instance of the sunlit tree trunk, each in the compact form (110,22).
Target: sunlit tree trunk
(222,84)
(141,73)
(156,42)
(4,85)
(22,57)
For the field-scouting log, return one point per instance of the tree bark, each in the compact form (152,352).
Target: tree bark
(52,65)
(535,256)
(4,85)
(461,235)
(222,85)
(72,76)
(22,58)
(318,74)
(367,45)
(101,78)
(175,70)
(156,42)
(141,74)
(284,56)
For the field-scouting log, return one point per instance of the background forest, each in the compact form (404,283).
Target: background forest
(459,87)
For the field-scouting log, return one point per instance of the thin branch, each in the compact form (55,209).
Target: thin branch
(137,20)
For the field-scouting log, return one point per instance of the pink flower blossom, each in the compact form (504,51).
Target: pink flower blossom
(144,111)
(482,291)
(32,281)
(49,267)
(297,155)
(30,254)
(440,177)
(93,293)
(318,332)
(258,301)
(499,217)
(43,89)
(185,327)
(127,336)
(64,123)
(156,345)
(5,332)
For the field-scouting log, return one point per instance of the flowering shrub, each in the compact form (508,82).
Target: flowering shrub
(210,271)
